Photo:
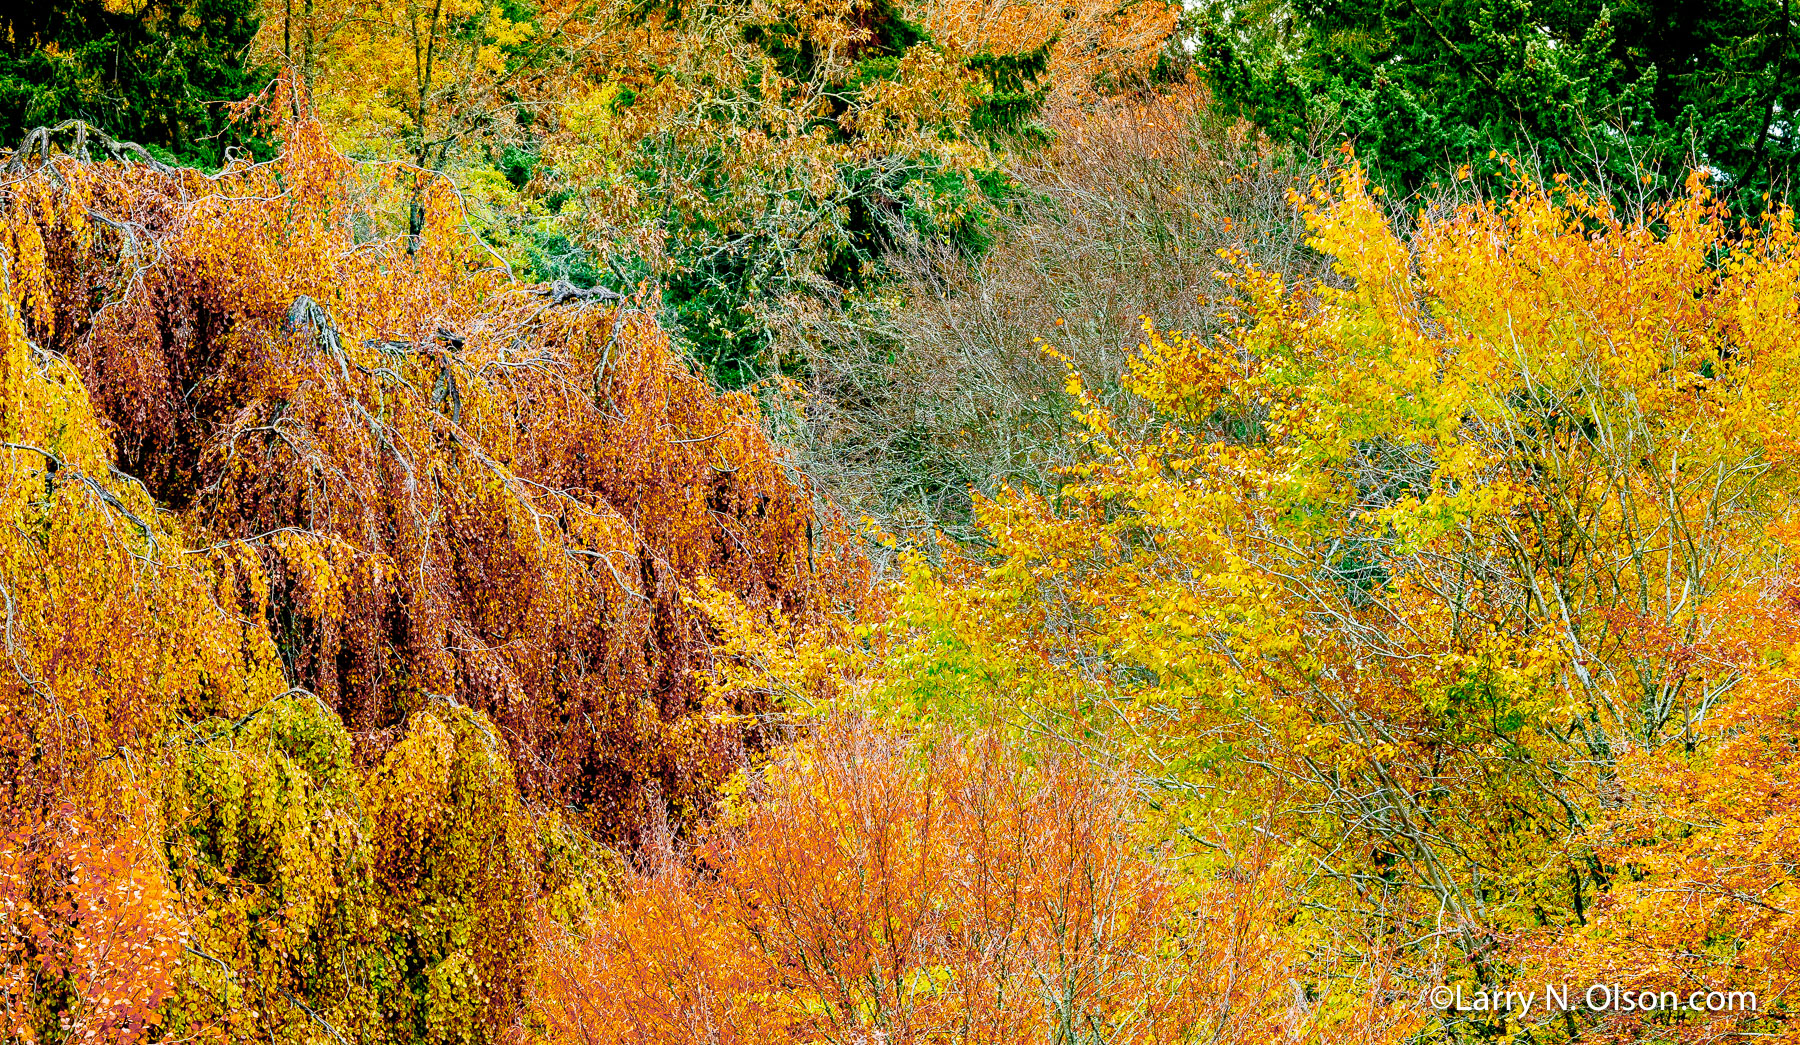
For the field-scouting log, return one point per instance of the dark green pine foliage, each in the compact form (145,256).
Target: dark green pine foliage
(1602,90)
(1015,90)
(162,76)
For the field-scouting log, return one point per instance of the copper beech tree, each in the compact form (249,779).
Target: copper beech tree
(343,599)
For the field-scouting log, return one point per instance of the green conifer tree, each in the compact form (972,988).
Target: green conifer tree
(161,76)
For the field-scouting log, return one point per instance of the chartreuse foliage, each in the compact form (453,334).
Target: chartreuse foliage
(1465,559)
(452,863)
(267,840)
(343,601)
(395,901)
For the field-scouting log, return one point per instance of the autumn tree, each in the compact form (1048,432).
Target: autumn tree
(347,602)
(945,890)
(1093,47)
(1442,549)
(739,152)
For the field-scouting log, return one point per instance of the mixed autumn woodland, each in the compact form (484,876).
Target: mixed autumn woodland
(905,521)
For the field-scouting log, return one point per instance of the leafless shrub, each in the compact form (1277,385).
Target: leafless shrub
(940,386)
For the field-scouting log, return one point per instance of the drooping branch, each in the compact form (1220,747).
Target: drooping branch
(562,292)
(54,465)
(85,138)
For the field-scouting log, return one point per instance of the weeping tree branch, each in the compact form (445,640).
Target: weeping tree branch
(86,138)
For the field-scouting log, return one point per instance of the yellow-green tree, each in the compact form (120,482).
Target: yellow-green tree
(1441,549)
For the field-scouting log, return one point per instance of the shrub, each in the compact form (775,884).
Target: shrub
(953,889)
(937,385)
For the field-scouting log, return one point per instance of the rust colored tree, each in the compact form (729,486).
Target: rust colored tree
(344,598)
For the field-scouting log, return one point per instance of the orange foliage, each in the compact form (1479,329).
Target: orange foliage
(1098,43)
(957,890)
(1704,837)
(88,911)
(454,484)
(270,472)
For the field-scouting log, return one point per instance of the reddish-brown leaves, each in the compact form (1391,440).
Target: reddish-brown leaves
(454,485)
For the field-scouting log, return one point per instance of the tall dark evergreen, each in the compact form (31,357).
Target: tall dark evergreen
(1016,86)
(162,76)
(1584,86)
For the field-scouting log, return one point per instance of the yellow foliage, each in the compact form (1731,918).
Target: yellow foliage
(1447,548)
(386,632)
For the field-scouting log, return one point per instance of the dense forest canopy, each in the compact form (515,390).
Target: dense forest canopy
(918,521)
